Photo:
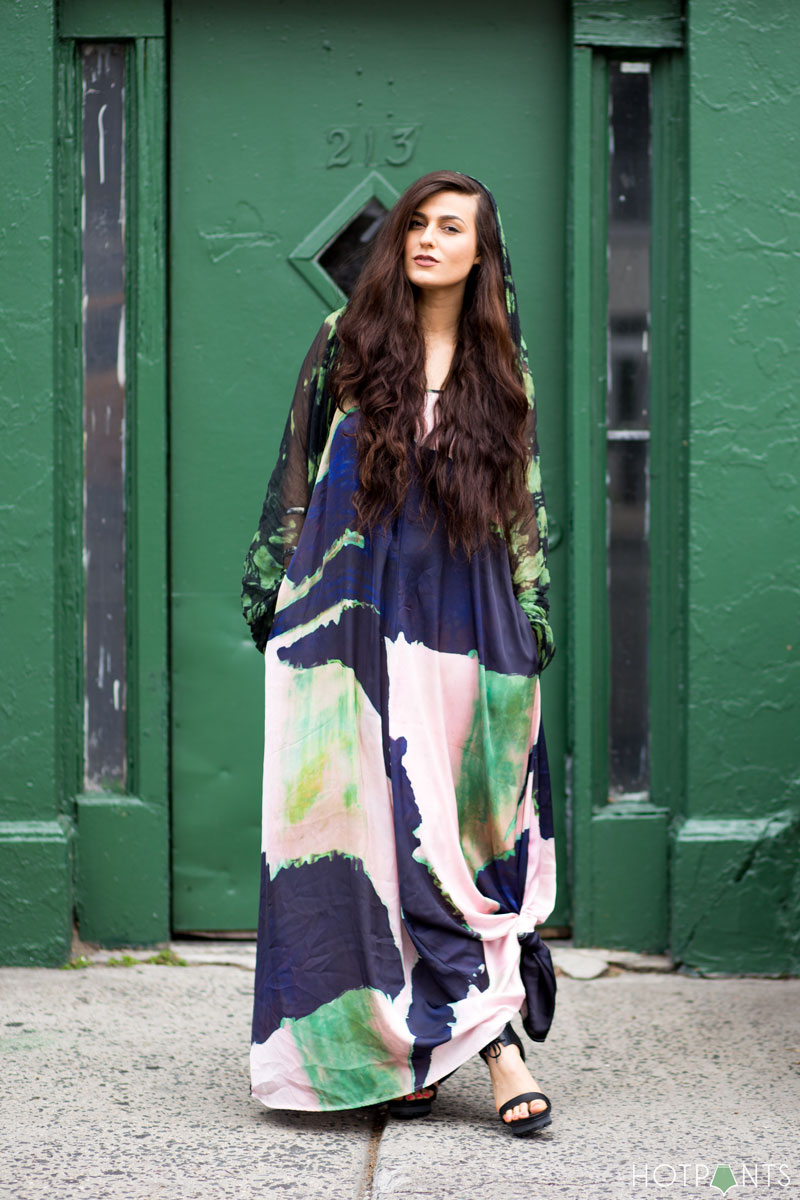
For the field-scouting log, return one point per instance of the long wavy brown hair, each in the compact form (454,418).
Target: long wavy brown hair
(475,472)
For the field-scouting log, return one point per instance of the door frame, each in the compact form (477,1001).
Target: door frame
(626,907)
(120,840)
(117,900)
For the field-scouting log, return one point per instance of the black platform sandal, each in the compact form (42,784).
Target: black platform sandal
(522,1126)
(414,1105)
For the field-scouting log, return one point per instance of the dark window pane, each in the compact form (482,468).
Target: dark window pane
(103,245)
(347,253)
(629,245)
(628,423)
(627,596)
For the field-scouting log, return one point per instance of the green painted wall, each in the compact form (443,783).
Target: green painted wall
(736,868)
(733,886)
(35,911)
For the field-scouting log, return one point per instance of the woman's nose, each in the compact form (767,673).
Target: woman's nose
(428,235)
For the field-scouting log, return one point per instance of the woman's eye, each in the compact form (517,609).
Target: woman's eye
(415,224)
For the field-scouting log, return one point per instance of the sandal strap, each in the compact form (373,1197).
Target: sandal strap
(521,1099)
(506,1037)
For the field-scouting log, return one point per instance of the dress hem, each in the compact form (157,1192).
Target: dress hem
(373,1103)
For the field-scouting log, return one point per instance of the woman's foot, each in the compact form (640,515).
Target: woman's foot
(510,1077)
(522,1112)
(415,1104)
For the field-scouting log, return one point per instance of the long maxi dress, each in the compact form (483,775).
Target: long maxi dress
(407,846)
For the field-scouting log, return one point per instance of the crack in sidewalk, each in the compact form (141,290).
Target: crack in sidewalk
(379,1122)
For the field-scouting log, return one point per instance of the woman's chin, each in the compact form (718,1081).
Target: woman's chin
(428,282)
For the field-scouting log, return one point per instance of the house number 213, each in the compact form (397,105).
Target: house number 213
(391,145)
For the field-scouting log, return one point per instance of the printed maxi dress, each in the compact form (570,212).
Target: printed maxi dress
(407,846)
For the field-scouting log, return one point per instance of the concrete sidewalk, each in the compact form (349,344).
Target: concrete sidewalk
(130,1083)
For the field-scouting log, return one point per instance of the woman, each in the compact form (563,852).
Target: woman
(397,584)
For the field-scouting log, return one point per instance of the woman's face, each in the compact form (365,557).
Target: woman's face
(442,241)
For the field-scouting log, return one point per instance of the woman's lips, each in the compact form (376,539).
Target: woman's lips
(425,260)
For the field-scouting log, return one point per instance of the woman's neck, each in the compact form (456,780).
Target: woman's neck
(439,312)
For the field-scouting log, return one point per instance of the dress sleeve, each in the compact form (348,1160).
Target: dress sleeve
(527,545)
(289,489)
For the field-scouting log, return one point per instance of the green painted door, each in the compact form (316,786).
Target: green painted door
(279,113)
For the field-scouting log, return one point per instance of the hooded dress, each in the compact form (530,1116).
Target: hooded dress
(407,847)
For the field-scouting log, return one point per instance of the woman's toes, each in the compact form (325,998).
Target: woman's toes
(520,1111)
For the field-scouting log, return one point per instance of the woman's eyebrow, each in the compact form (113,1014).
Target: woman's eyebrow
(452,217)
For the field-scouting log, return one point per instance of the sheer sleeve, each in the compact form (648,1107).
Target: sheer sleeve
(289,488)
(527,547)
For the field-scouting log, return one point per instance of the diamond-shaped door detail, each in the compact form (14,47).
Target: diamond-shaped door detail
(332,255)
